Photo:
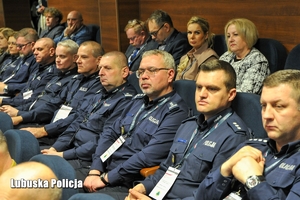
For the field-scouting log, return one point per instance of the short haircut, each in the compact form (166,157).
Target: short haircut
(289,77)
(137,25)
(119,58)
(29,34)
(70,44)
(246,29)
(168,59)
(214,65)
(54,12)
(96,48)
(160,17)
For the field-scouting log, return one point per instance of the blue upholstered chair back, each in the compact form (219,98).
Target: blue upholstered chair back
(61,168)
(272,49)
(95,32)
(134,81)
(5,122)
(247,106)
(22,145)
(293,59)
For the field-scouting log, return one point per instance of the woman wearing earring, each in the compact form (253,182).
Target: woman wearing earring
(201,39)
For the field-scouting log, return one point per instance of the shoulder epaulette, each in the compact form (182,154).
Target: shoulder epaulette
(235,125)
(256,140)
(193,118)
(172,105)
(128,94)
(75,76)
(139,96)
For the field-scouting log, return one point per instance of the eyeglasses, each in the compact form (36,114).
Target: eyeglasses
(22,45)
(151,71)
(155,32)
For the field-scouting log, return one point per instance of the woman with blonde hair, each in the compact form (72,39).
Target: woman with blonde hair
(5,33)
(201,40)
(250,65)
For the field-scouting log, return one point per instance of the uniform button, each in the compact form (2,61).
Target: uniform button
(223,184)
(225,181)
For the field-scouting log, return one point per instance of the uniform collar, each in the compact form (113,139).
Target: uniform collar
(291,146)
(204,124)
(114,90)
(149,104)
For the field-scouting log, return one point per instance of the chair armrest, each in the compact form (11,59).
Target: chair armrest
(148,171)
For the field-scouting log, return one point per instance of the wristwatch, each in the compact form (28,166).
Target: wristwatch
(102,177)
(253,181)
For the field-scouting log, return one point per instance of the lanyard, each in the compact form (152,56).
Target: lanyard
(268,169)
(134,123)
(189,150)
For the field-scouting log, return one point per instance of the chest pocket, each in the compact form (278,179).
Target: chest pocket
(281,179)
(200,159)
(98,118)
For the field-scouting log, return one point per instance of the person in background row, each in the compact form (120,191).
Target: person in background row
(139,42)
(15,79)
(5,33)
(250,64)
(265,168)
(201,40)
(29,171)
(53,27)
(75,30)
(13,59)
(37,17)
(168,38)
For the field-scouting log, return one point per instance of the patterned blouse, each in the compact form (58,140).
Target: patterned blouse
(250,71)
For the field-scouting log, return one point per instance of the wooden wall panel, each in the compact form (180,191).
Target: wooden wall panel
(277,19)
(2,19)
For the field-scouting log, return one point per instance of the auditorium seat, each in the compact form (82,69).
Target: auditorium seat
(293,60)
(22,145)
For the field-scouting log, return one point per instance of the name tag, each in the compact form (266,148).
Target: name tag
(112,148)
(63,112)
(164,184)
(27,95)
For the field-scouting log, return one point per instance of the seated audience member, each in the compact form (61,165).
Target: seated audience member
(13,56)
(5,33)
(78,143)
(66,55)
(16,76)
(202,143)
(201,40)
(250,64)
(73,97)
(11,188)
(139,42)
(37,10)
(75,29)
(168,38)
(6,160)
(145,129)
(44,52)
(53,28)
(265,168)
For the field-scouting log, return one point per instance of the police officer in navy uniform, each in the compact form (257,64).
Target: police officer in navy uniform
(203,142)
(79,141)
(145,128)
(265,168)
(74,95)
(44,52)
(66,55)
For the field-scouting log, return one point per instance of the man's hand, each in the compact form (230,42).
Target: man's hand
(246,167)
(93,183)
(17,120)
(137,192)
(134,195)
(247,151)
(2,85)
(69,30)
(11,111)
(52,151)
(37,132)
